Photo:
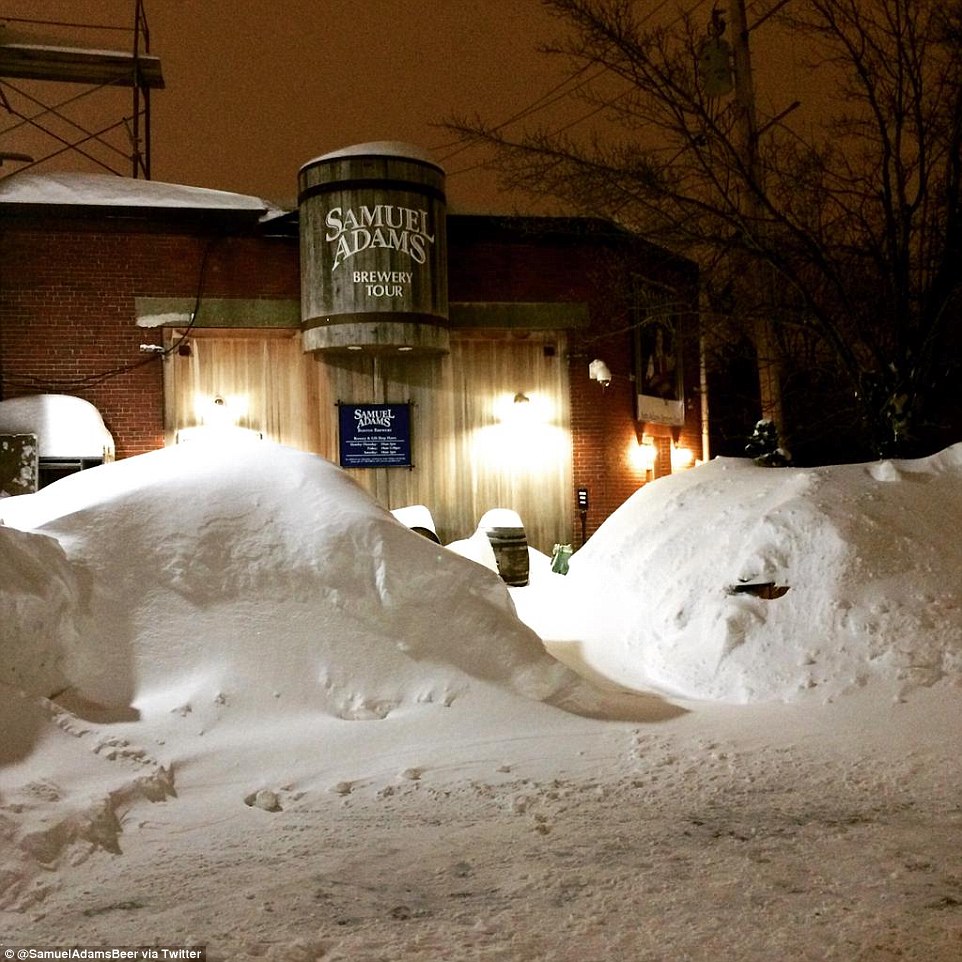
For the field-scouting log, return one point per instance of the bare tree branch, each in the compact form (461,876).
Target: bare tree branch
(858,212)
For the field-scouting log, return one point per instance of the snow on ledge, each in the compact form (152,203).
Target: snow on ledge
(379,148)
(109,190)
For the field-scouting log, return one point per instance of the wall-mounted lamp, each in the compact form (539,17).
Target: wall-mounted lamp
(642,454)
(221,410)
(599,371)
(523,409)
(681,458)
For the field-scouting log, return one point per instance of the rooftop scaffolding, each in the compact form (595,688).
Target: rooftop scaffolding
(46,63)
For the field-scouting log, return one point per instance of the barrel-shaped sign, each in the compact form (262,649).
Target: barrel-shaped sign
(373,246)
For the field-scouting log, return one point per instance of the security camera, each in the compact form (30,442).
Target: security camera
(598,371)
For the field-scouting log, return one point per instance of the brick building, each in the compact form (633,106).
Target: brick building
(155,302)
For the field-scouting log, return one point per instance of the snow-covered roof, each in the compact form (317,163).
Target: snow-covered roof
(379,148)
(107,190)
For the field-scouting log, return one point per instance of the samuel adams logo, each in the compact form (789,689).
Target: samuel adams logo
(357,229)
(373,417)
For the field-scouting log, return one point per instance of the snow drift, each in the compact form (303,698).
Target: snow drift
(39,595)
(244,707)
(738,583)
(262,575)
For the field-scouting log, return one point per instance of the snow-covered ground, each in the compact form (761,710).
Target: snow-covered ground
(247,708)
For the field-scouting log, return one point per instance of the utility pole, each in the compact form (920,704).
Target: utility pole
(766,347)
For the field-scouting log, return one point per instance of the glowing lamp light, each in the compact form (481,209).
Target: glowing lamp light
(642,455)
(221,410)
(523,438)
(218,417)
(522,408)
(681,458)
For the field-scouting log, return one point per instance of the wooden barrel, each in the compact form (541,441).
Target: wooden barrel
(373,250)
(510,546)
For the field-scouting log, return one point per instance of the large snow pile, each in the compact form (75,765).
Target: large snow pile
(739,583)
(227,601)
(242,706)
(257,575)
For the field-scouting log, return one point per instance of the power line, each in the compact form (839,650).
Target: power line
(65,23)
(555,94)
(533,108)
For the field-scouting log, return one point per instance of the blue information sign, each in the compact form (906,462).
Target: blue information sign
(375,435)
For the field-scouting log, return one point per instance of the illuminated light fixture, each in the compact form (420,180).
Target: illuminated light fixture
(354,347)
(599,371)
(405,347)
(523,408)
(221,410)
(643,454)
(681,458)
(218,413)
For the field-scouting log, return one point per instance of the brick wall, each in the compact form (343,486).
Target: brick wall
(67,316)
(67,307)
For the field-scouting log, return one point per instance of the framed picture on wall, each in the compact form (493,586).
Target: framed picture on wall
(660,397)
